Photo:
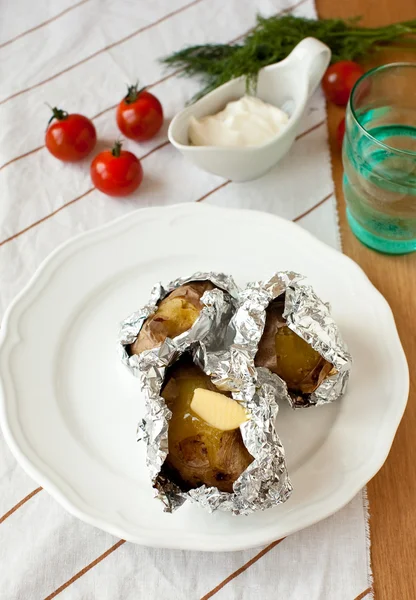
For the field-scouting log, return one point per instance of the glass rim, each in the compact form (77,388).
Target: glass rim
(353,113)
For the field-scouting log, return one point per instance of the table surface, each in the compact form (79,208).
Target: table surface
(392,492)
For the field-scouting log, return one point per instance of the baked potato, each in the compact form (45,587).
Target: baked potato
(198,453)
(285,353)
(175,314)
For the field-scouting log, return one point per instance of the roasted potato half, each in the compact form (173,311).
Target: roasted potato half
(285,353)
(198,453)
(175,314)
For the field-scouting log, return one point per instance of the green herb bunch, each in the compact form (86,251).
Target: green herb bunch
(274,38)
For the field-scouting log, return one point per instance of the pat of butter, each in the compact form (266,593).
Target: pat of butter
(218,410)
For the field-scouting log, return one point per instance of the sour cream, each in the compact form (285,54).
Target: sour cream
(245,122)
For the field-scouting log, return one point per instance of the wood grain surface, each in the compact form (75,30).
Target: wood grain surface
(392,492)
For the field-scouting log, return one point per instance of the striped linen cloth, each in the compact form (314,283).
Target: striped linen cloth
(79,56)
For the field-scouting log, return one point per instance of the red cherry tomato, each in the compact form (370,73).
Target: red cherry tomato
(339,80)
(116,172)
(139,114)
(341,132)
(70,137)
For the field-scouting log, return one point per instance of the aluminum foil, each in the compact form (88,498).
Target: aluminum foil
(265,483)
(307,316)
(219,305)
(228,358)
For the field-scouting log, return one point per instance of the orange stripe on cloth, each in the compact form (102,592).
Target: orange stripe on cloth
(301,135)
(98,52)
(85,569)
(246,566)
(19,504)
(363,594)
(61,14)
(219,187)
(12,160)
(317,205)
(43,219)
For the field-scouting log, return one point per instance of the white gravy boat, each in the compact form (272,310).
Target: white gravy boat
(287,84)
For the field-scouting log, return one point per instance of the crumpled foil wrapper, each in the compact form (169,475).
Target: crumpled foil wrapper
(307,316)
(265,482)
(219,305)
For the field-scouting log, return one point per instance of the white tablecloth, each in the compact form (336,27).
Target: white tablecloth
(79,56)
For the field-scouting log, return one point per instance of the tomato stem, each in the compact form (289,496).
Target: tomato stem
(117,148)
(133,92)
(58,114)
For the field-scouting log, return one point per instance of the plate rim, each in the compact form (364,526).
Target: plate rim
(37,468)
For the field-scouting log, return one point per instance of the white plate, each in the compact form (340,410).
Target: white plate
(69,410)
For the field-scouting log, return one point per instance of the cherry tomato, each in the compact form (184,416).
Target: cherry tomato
(339,80)
(71,137)
(139,114)
(116,172)
(341,132)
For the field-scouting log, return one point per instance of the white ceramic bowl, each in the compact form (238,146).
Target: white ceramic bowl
(287,84)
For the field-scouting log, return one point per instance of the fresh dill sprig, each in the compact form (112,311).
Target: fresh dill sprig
(272,39)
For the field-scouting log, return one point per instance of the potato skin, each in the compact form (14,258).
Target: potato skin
(172,318)
(198,453)
(301,367)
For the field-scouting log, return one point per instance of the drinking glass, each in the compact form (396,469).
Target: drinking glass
(379,158)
